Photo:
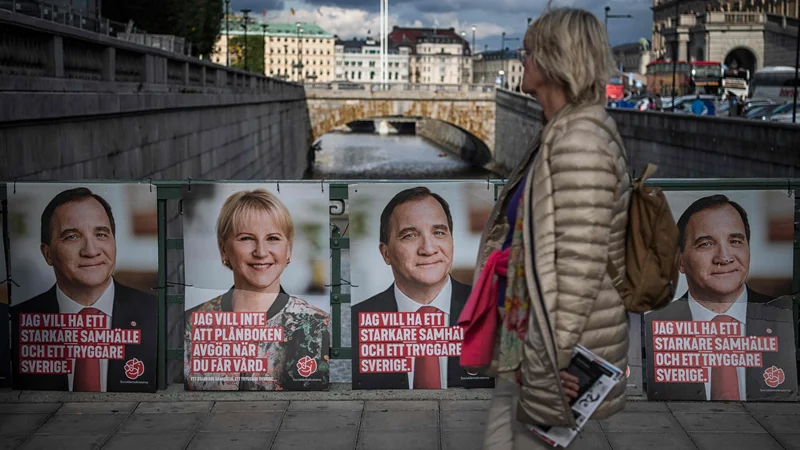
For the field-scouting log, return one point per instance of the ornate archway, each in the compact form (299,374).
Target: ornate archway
(742,58)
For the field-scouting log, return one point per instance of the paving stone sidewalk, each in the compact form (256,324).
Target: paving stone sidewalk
(374,424)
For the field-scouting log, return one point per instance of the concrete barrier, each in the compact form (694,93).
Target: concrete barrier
(683,146)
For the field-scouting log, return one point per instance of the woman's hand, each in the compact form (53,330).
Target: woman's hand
(570,384)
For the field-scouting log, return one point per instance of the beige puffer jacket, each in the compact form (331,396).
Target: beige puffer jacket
(580,192)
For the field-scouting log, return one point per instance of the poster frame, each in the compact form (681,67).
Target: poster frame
(169,195)
(790,185)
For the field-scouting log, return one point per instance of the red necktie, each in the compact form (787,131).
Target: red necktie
(724,380)
(87,371)
(426,368)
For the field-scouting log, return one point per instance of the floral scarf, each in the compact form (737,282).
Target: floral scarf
(514,324)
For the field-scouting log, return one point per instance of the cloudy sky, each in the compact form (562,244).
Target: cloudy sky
(354,18)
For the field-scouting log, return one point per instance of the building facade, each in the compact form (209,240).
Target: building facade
(299,52)
(360,61)
(504,67)
(738,33)
(438,56)
(633,57)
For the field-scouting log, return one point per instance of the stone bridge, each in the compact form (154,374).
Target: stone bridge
(470,108)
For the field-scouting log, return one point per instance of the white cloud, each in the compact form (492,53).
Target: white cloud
(346,23)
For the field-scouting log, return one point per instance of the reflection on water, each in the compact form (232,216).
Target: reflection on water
(372,156)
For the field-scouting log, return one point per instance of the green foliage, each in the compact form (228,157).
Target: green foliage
(255,53)
(198,21)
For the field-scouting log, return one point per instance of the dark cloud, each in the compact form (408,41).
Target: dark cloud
(258,5)
(511,15)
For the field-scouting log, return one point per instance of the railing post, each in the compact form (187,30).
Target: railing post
(55,57)
(202,75)
(148,69)
(109,64)
(185,77)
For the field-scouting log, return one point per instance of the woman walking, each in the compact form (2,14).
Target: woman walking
(561,217)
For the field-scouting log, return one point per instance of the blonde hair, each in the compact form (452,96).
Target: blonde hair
(243,203)
(570,47)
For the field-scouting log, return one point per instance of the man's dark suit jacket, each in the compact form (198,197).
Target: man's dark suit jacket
(130,305)
(763,313)
(386,302)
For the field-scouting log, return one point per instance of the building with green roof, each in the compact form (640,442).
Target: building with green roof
(291,52)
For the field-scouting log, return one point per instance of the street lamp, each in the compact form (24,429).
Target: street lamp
(473,38)
(502,74)
(246,13)
(503,59)
(796,65)
(614,16)
(227,34)
(286,61)
(675,53)
(299,52)
(264,27)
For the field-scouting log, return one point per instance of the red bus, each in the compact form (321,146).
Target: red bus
(615,88)
(706,77)
(699,77)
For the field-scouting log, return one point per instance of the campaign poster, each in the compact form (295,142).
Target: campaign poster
(84,312)
(413,249)
(728,334)
(257,266)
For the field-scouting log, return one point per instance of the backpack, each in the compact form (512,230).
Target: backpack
(651,247)
(651,250)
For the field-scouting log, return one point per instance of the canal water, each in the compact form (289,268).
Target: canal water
(344,155)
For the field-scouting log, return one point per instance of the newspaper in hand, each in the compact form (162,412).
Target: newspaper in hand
(596,378)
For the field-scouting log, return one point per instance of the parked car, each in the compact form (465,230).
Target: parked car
(786,116)
(762,112)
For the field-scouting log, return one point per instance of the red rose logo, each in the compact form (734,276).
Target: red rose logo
(306,366)
(774,377)
(134,368)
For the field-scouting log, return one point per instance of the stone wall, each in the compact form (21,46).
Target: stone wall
(781,44)
(683,146)
(218,137)
(519,119)
(456,140)
(80,105)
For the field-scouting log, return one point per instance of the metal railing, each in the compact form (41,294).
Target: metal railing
(399,87)
(87,20)
(43,48)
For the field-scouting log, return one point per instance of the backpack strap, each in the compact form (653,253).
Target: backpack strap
(619,282)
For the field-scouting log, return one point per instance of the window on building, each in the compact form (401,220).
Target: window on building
(442,79)
(359,75)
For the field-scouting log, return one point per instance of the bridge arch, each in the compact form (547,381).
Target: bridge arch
(742,57)
(470,108)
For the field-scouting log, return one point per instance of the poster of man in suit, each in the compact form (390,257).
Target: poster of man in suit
(84,314)
(729,334)
(411,271)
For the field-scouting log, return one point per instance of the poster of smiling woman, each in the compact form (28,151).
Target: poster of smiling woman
(257,303)
(84,260)
(412,259)
(729,333)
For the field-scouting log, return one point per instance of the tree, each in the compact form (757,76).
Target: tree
(198,21)
(255,53)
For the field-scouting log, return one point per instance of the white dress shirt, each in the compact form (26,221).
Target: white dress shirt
(442,303)
(738,311)
(106,305)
